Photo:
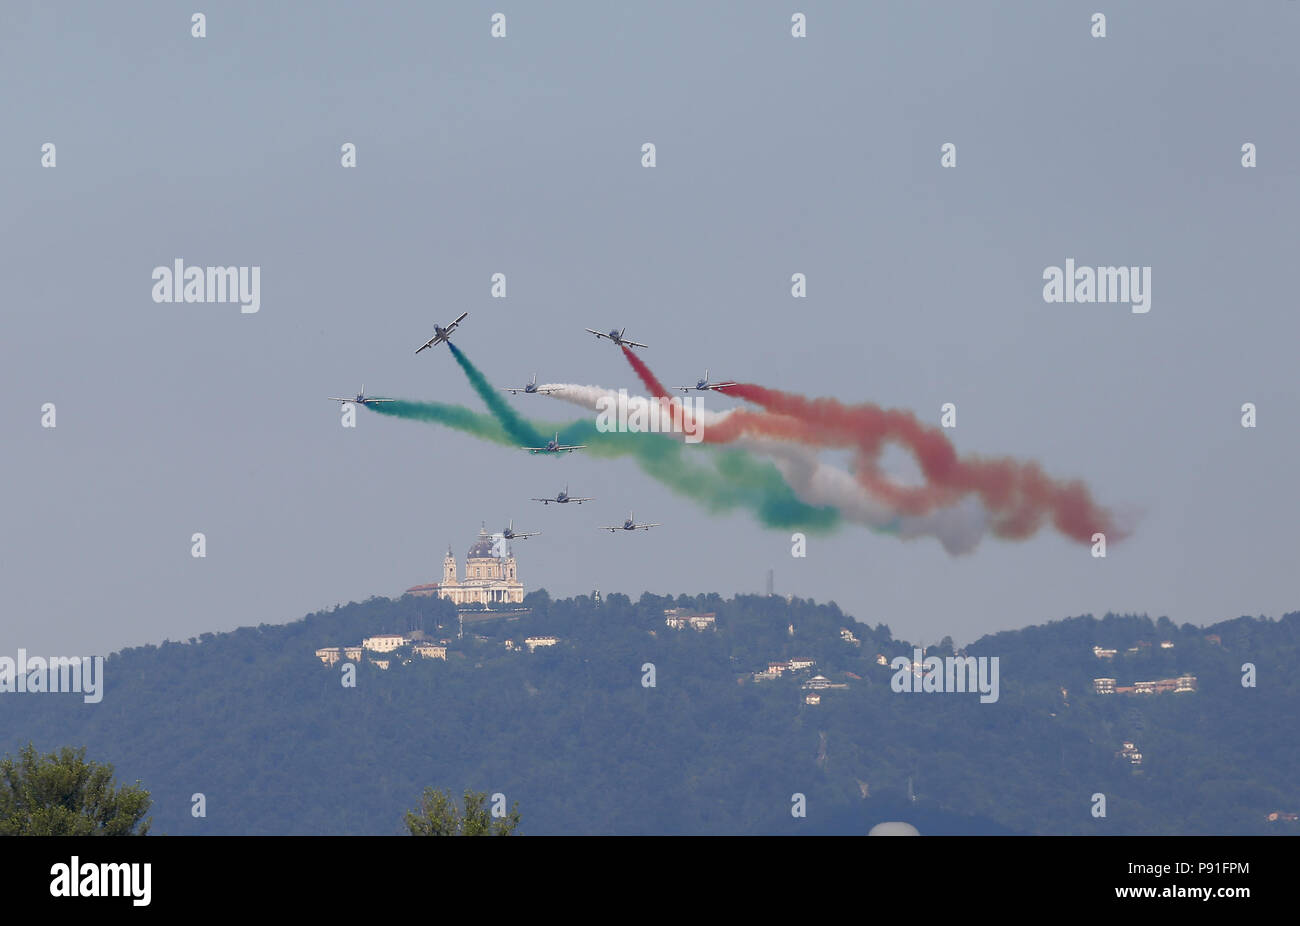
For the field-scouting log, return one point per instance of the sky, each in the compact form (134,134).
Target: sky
(522,155)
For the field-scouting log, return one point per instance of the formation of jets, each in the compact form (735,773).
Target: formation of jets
(361,398)
(629,525)
(529,388)
(617,337)
(441,334)
(562,498)
(704,385)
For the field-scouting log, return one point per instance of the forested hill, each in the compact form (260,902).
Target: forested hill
(254,721)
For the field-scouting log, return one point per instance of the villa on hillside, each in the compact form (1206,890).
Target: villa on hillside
(384,642)
(677,618)
(534,642)
(1182,683)
(1130,752)
(822,683)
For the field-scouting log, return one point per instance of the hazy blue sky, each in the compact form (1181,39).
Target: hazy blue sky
(522,155)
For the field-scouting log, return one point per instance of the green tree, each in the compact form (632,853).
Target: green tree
(438,815)
(61,794)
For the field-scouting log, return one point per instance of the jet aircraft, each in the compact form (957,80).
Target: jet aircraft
(554,446)
(441,334)
(629,525)
(529,388)
(704,385)
(617,337)
(361,398)
(563,498)
(511,534)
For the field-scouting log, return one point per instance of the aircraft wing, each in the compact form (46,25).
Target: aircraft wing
(580,500)
(646,527)
(541,391)
(513,390)
(722,385)
(338,398)
(634,343)
(684,388)
(571,447)
(599,334)
(427,344)
(457,321)
(380,400)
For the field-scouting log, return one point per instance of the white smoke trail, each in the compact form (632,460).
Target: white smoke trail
(958,528)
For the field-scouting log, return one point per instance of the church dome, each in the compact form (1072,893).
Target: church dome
(482,548)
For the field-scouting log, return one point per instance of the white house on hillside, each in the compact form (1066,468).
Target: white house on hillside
(384,642)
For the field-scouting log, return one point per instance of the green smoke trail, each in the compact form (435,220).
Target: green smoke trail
(719,479)
(457,417)
(780,507)
(736,479)
(519,429)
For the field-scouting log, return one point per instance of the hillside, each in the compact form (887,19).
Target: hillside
(253,720)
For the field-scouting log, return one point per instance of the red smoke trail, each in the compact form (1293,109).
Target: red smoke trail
(742,421)
(1018,496)
(656,388)
(651,383)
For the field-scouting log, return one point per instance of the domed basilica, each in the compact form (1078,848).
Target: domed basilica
(489,579)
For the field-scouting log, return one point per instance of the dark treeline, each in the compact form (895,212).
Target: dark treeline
(253,721)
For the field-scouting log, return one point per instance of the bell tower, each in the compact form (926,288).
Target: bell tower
(449,569)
